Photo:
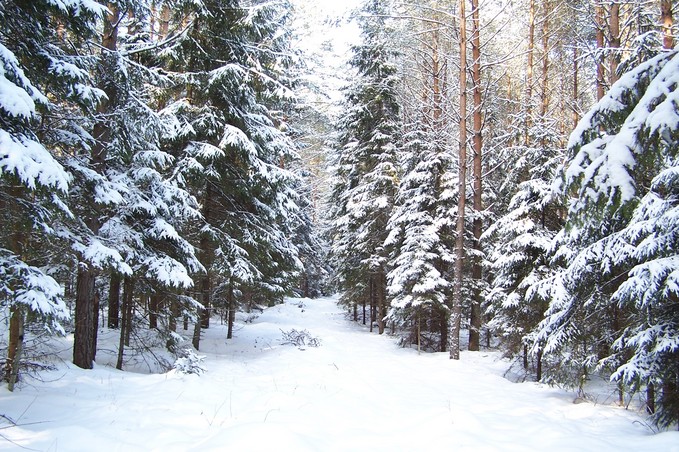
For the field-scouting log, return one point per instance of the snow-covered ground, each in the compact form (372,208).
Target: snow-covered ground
(356,391)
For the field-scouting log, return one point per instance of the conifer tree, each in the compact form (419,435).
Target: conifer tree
(230,78)
(366,167)
(620,235)
(421,236)
(46,87)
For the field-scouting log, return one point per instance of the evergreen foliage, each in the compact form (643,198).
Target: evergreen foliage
(620,236)
(366,167)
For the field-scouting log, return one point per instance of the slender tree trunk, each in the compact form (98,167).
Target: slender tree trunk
(196,334)
(371,285)
(129,310)
(15,345)
(456,311)
(538,365)
(599,12)
(576,116)
(231,306)
(364,309)
(650,398)
(174,313)
(154,303)
(443,327)
(614,28)
(205,301)
(666,22)
(125,324)
(544,85)
(114,300)
(477,124)
(381,300)
(206,258)
(529,74)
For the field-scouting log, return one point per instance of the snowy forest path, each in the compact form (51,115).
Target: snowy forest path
(356,391)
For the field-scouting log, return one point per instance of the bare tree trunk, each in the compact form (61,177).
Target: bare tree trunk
(381,300)
(614,27)
(172,321)
(599,12)
(528,105)
(231,306)
(205,301)
(371,285)
(456,311)
(84,339)
(125,324)
(114,300)
(154,303)
(129,310)
(544,85)
(196,334)
(576,116)
(15,345)
(443,327)
(666,22)
(477,124)
(650,398)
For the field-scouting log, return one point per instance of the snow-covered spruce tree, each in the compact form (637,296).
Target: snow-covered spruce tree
(421,238)
(148,228)
(366,178)
(519,245)
(615,304)
(127,205)
(45,87)
(227,134)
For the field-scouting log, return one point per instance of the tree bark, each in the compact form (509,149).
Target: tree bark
(84,335)
(154,303)
(599,13)
(114,300)
(666,22)
(381,300)
(125,323)
(456,311)
(650,398)
(528,103)
(231,306)
(544,85)
(477,124)
(196,334)
(16,242)
(614,28)
(15,345)
(576,116)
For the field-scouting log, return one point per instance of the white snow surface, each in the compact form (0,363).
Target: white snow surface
(357,391)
